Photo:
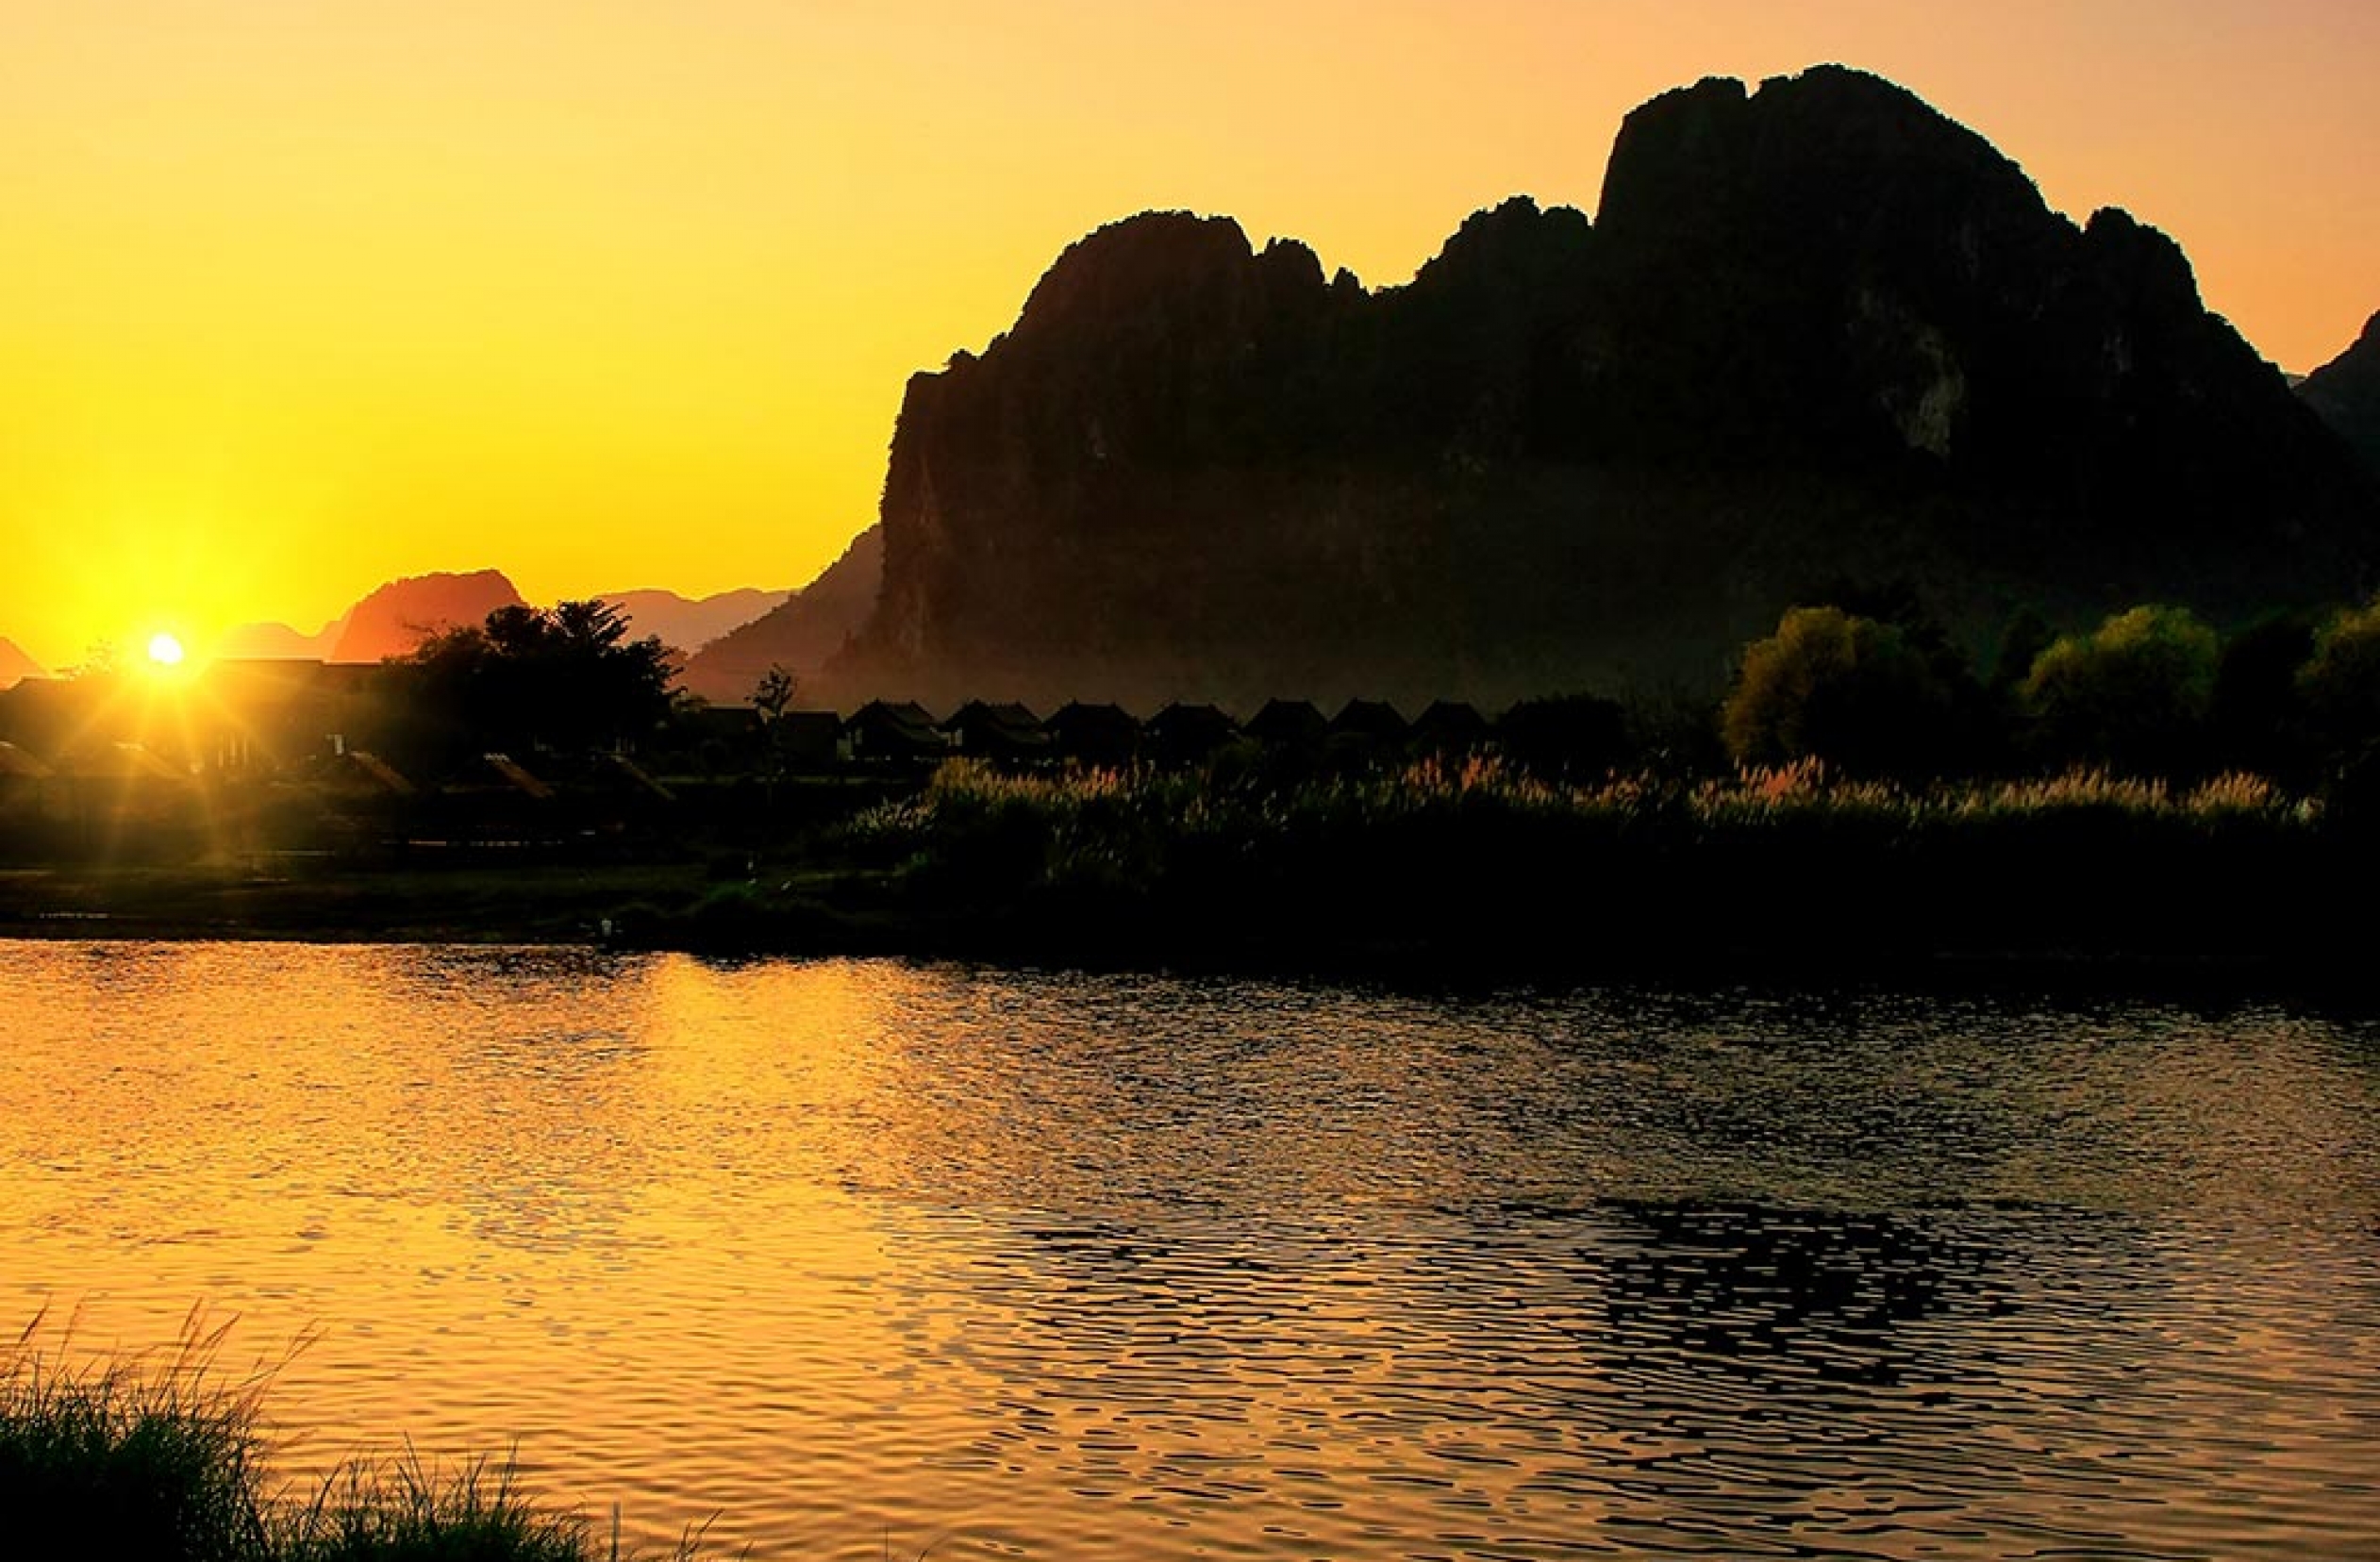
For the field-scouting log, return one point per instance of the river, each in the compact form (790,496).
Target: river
(855,1258)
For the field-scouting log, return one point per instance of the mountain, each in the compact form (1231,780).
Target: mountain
(689,623)
(1817,335)
(15,665)
(800,634)
(396,617)
(2345,393)
(277,643)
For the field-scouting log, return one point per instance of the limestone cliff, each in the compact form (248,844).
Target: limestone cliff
(1817,333)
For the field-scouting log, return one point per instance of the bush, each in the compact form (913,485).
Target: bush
(2340,685)
(2134,695)
(1852,692)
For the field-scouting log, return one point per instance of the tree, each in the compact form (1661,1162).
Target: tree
(1853,692)
(2134,695)
(566,678)
(2340,685)
(2257,719)
(773,692)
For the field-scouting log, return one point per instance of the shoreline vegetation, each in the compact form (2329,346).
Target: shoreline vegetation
(1453,870)
(2149,798)
(167,1462)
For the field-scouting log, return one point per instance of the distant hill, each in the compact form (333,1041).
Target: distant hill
(2345,393)
(15,665)
(277,643)
(396,617)
(1817,335)
(800,634)
(688,623)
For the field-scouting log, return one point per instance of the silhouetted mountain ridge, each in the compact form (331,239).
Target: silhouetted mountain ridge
(393,619)
(2345,393)
(1818,332)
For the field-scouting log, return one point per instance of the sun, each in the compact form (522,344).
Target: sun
(165,651)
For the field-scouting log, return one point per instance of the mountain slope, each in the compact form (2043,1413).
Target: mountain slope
(277,643)
(688,624)
(799,634)
(396,617)
(2345,393)
(1817,333)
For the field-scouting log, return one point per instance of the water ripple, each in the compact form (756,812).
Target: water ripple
(859,1256)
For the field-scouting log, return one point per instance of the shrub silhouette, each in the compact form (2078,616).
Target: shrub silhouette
(2339,689)
(1858,693)
(2134,695)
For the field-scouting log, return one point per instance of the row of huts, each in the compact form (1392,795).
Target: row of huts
(1110,735)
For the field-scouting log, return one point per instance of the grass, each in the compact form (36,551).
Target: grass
(165,1462)
(1474,862)
(1466,866)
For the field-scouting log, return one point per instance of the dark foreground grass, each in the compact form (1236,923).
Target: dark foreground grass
(167,1464)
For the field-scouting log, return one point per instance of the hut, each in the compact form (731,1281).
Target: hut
(882,731)
(1451,727)
(1289,724)
(1374,722)
(1093,734)
(1187,734)
(1004,733)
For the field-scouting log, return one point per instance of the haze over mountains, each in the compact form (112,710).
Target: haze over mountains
(688,623)
(1817,335)
(802,634)
(393,619)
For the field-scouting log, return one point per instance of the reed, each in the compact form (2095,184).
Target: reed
(1472,860)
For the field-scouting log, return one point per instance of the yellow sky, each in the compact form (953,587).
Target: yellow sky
(299,295)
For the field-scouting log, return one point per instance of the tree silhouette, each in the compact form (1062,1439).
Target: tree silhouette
(2135,693)
(1853,692)
(565,678)
(773,692)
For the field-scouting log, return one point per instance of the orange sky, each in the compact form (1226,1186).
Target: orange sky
(299,295)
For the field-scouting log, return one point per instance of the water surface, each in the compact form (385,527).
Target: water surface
(864,1257)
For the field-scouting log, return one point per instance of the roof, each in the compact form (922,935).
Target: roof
(635,773)
(18,765)
(1183,728)
(979,723)
(1367,719)
(1288,721)
(906,725)
(1451,718)
(134,759)
(511,769)
(1077,716)
(381,770)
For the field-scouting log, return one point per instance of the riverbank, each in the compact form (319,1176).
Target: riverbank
(1724,919)
(1427,873)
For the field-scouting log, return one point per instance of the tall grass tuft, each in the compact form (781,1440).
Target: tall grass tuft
(408,1511)
(130,1461)
(163,1461)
